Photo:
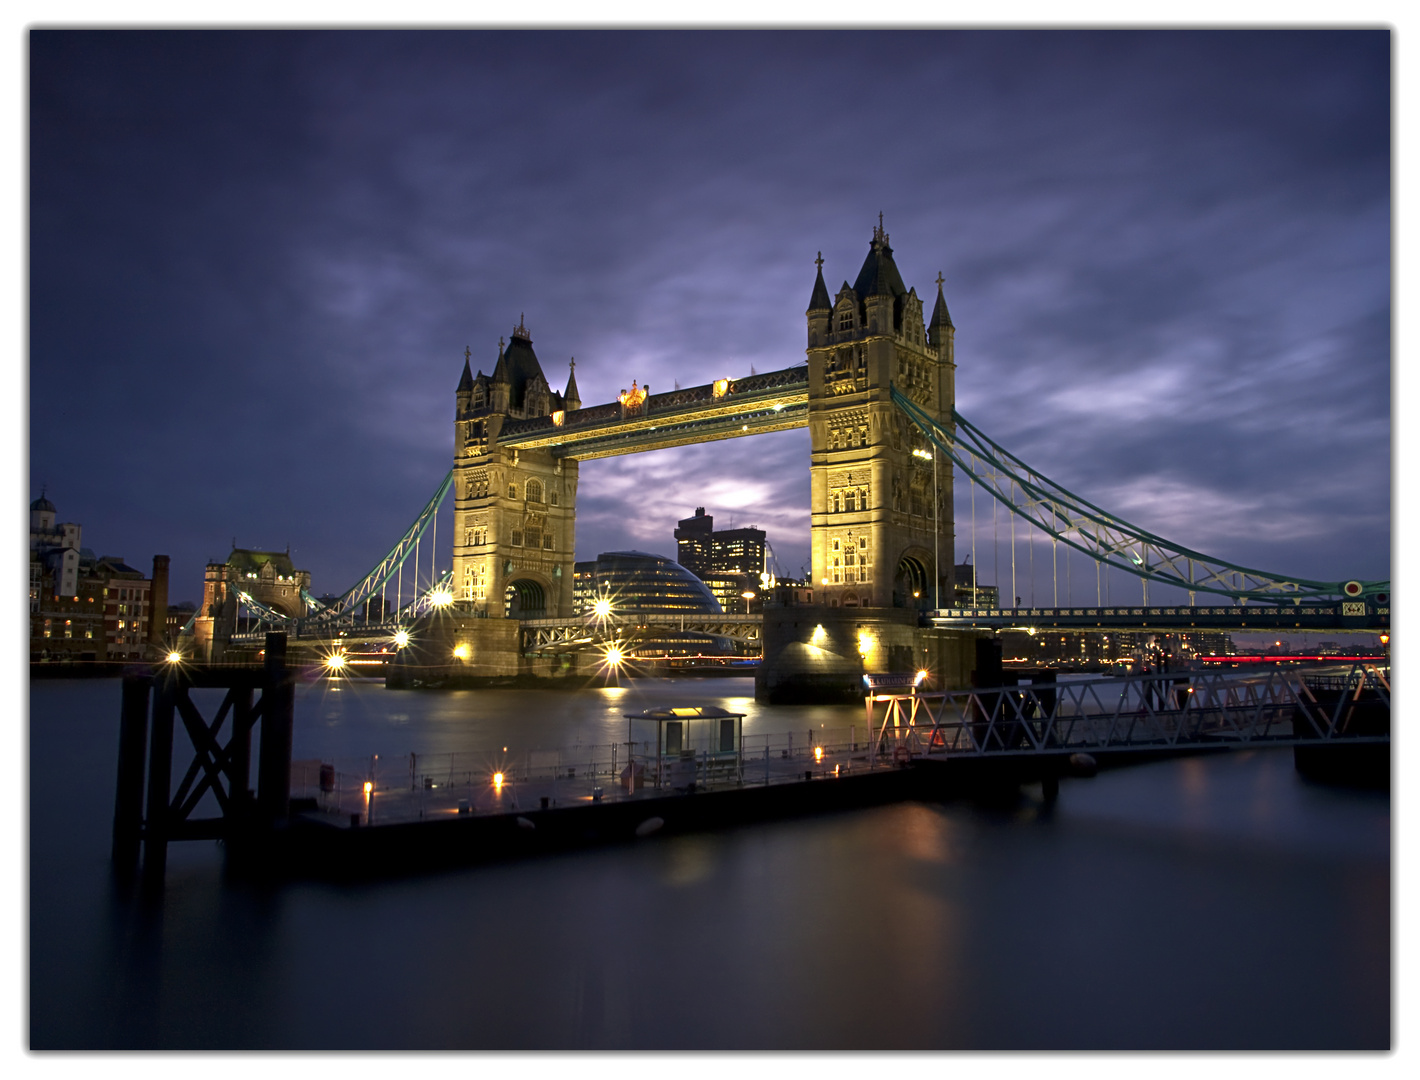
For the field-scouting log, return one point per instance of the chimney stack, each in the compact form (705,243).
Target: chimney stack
(158,603)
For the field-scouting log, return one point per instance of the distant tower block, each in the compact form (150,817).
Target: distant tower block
(872,498)
(514,511)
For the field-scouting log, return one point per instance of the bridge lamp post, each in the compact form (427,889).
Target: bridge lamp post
(748,596)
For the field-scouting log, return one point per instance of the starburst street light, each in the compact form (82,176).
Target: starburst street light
(441,598)
(602,608)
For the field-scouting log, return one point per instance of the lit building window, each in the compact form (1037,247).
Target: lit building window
(534,491)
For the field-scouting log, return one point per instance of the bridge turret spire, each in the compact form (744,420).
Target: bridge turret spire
(819,301)
(941,332)
(820,312)
(464,394)
(570,398)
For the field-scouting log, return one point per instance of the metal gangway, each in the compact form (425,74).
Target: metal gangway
(1143,712)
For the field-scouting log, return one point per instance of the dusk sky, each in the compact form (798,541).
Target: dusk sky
(256,259)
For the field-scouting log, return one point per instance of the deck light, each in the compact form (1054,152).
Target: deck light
(441,598)
(174,657)
(461,651)
(498,781)
(401,639)
(335,661)
(369,786)
(818,755)
(602,608)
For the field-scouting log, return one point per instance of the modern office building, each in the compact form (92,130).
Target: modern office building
(730,561)
(705,552)
(636,581)
(967,595)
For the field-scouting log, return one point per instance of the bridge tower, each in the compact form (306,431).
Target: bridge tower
(514,511)
(873,514)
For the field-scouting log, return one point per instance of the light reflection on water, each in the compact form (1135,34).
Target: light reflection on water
(1186,904)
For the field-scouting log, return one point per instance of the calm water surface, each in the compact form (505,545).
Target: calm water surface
(1220,904)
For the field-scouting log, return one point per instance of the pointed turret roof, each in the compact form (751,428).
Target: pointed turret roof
(819,301)
(570,395)
(519,364)
(941,317)
(466,379)
(879,275)
(500,369)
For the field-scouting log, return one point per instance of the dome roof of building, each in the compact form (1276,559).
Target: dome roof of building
(640,581)
(42,504)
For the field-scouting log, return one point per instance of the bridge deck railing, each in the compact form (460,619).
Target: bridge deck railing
(1163,711)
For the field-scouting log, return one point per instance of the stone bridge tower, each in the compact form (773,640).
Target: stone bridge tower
(514,512)
(873,498)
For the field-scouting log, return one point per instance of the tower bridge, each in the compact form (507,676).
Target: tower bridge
(877,393)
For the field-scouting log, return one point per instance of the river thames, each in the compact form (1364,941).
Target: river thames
(1221,903)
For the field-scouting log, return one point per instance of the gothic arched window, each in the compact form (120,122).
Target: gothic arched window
(535,491)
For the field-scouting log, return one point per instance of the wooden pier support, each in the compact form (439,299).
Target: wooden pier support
(156,826)
(128,796)
(221,770)
(278,698)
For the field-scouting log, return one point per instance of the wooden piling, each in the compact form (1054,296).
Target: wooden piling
(128,797)
(278,697)
(160,778)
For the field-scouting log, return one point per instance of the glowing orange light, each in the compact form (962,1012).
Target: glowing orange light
(498,781)
(633,398)
(818,754)
(369,786)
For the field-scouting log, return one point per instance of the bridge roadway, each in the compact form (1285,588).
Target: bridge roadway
(584,631)
(1343,616)
(560,635)
(724,409)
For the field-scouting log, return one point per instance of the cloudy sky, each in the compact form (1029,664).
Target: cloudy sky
(256,259)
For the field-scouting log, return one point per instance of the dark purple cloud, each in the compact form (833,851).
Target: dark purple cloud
(257,257)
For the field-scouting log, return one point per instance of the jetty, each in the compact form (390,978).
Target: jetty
(679,769)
